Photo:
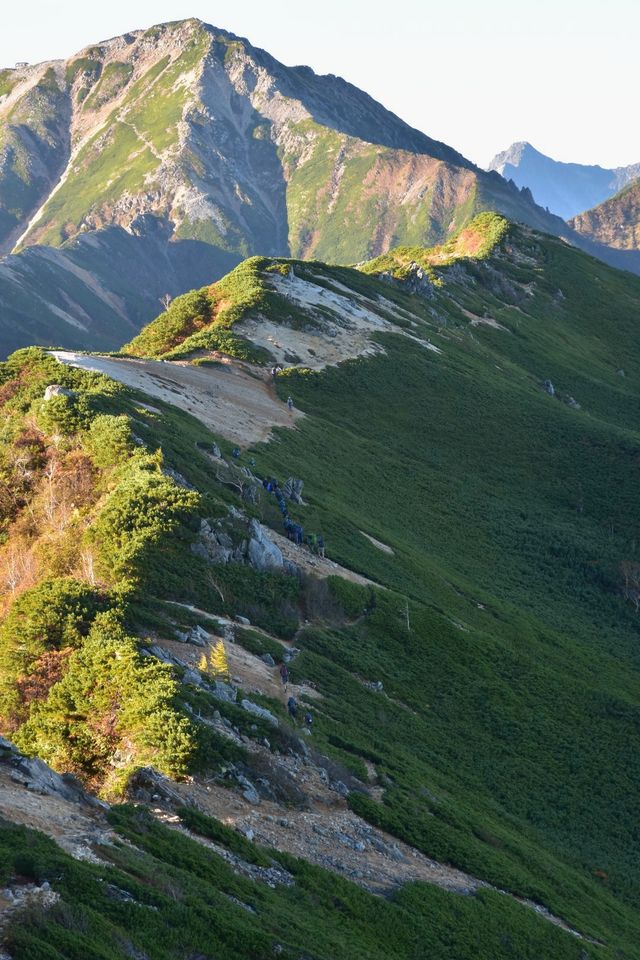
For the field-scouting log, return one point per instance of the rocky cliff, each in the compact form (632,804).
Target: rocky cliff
(615,222)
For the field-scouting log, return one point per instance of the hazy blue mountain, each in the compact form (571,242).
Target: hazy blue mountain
(565,188)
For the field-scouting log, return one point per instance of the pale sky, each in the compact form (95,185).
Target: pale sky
(477,74)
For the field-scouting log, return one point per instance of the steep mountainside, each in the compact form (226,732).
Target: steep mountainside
(615,222)
(229,151)
(464,426)
(566,189)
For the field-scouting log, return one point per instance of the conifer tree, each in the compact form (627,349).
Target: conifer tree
(215,661)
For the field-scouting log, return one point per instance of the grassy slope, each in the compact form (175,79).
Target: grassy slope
(509,512)
(188,902)
(35,145)
(339,195)
(142,128)
(527,718)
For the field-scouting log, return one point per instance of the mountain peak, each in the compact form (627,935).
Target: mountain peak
(566,189)
(206,150)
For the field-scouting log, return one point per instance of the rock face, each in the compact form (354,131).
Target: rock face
(37,777)
(238,540)
(262,553)
(566,189)
(615,222)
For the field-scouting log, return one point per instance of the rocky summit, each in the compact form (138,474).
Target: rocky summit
(173,153)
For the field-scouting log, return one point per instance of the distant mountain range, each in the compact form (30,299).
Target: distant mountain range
(153,162)
(566,189)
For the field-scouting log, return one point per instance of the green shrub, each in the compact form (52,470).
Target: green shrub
(109,440)
(62,414)
(51,617)
(112,711)
(143,510)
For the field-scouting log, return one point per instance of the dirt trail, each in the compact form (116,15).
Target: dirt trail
(327,833)
(234,400)
(313,564)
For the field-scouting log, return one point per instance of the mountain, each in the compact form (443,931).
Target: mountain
(566,189)
(615,222)
(463,434)
(204,150)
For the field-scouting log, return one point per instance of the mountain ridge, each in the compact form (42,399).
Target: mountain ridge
(472,686)
(230,153)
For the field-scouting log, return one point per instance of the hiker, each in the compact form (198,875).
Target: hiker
(299,534)
(290,403)
(308,719)
(312,540)
(320,545)
(236,452)
(292,707)
(284,674)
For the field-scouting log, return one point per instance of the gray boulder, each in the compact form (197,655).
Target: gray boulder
(263,553)
(212,545)
(195,635)
(223,691)
(55,390)
(37,777)
(257,711)
(292,489)
(268,659)
(249,792)
(178,478)
(339,787)
(192,677)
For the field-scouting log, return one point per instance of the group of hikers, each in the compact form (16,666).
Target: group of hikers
(294,531)
(292,703)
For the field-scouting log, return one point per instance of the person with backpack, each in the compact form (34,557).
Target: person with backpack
(284,674)
(292,707)
(290,403)
(320,545)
